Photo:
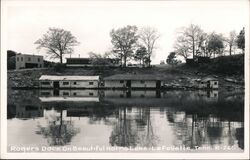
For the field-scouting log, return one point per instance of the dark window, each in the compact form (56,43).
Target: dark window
(91,83)
(45,83)
(75,83)
(65,93)
(121,95)
(215,95)
(91,94)
(142,82)
(38,59)
(65,83)
(74,93)
(17,59)
(121,81)
(21,58)
(215,83)
(29,59)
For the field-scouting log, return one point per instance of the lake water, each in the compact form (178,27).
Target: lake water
(119,121)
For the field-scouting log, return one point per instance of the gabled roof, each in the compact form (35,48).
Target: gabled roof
(69,78)
(134,77)
(30,55)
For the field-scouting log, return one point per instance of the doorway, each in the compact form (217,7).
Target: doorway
(56,84)
(128,83)
(158,84)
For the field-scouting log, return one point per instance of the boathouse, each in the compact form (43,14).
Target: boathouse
(133,81)
(209,83)
(56,82)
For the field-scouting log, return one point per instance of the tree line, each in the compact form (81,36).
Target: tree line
(128,42)
(192,40)
(133,43)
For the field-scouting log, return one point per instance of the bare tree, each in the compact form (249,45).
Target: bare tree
(192,36)
(124,42)
(231,41)
(148,37)
(57,42)
(182,48)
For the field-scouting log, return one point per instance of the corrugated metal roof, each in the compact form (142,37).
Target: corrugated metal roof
(134,77)
(71,99)
(69,78)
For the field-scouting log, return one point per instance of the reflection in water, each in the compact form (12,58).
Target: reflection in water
(127,118)
(57,130)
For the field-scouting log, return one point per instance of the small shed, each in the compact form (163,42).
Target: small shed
(209,83)
(56,82)
(133,81)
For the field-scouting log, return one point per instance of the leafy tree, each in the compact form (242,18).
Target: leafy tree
(57,42)
(241,40)
(148,37)
(215,44)
(124,42)
(171,60)
(11,59)
(231,41)
(140,54)
(11,53)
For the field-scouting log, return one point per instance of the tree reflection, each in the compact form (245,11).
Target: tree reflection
(134,130)
(147,137)
(124,133)
(58,131)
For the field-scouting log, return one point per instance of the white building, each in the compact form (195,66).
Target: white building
(29,61)
(209,83)
(53,81)
(132,81)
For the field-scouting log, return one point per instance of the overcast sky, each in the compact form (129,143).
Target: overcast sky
(91,22)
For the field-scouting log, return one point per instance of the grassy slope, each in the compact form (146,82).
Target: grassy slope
(221,67)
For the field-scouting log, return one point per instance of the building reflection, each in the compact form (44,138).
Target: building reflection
(24,111)
(196,118)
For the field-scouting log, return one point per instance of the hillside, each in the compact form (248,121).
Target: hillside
(223,65)
(229,71)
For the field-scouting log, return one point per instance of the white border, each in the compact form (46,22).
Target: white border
(4,154)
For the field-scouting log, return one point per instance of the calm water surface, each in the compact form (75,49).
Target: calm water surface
(159,121)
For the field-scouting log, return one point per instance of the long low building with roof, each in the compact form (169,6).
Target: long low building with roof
(56,82)
(133,81)
(209,83)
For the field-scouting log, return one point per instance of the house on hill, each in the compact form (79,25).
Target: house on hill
(78,62)
(133,81)
(84,62)
(29,61)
